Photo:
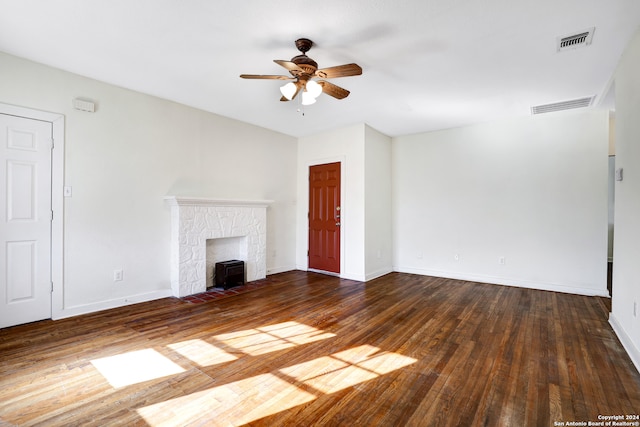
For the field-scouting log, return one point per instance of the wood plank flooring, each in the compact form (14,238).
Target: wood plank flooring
(311,350)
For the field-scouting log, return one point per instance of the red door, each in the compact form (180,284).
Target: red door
(324,217)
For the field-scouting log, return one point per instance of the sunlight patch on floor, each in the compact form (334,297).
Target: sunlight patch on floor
(135,367)
(347,368)
(296,333)
(328,375)
(256,397)
(267,339)
(201,352)
(373,359)
(237,403)
(260,396)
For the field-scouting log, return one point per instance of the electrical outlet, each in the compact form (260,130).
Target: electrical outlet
(419,255)
(501,260)
(117,275)
(456,257)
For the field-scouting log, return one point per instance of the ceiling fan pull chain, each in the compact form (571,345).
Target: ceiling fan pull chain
(301,106)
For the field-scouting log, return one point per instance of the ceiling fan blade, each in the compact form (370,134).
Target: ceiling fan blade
(333,90)
(345,70)
(258,76)
(291,66)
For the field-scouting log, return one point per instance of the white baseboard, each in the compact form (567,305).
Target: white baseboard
(353,276)
(276,270)
(363,278)
(555,287)
(626,341)
(113,303)
(378,273)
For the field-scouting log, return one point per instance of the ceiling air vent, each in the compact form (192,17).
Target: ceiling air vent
(574,41)
(563,105)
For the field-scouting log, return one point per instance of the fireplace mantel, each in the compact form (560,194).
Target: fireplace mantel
(194,220)
(203,201)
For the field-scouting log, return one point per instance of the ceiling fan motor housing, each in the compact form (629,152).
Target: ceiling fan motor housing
(308,65)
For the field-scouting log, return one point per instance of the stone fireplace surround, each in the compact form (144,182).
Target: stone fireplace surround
(195,220)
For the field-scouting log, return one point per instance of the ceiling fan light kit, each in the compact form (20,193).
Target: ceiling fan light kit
(307,99)
(313,88)
(303,69)
(288,90)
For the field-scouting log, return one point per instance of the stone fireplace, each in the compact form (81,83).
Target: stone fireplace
(206,231)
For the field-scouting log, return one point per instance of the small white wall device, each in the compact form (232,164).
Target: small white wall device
(84,105)
(619,174)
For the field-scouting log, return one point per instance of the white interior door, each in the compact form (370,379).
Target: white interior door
(25,220)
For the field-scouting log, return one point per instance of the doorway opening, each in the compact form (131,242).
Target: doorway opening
(32,237)
(325,217)
(611,216)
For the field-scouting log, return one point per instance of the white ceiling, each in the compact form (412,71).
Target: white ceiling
(427,64)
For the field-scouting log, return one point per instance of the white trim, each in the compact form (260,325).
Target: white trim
(542,286)
(203,201)
(113,303)
(276,270)
(328,273)
(378,273)
(343,205)
(627,342)
(57,199)
(353,276)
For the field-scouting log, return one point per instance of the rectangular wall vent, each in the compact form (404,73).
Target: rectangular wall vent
(574,41)
(563,105)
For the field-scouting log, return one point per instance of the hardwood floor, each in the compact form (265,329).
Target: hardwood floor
(310,350)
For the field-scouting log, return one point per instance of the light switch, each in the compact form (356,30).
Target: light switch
(68,191)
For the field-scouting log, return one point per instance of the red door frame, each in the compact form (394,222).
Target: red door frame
(324,217)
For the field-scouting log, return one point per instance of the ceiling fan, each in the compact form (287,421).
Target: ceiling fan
(303,70)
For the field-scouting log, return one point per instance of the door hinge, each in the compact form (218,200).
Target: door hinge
(51,287)
(51,216)
(51,143)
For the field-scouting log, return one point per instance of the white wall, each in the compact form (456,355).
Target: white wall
(124,158)
(365,238)
(345,145)
(532,190)
(626,251)
(378,238)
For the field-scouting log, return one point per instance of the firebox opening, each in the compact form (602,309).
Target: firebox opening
(224,249)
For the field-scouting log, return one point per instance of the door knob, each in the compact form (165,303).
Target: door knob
(337,223)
